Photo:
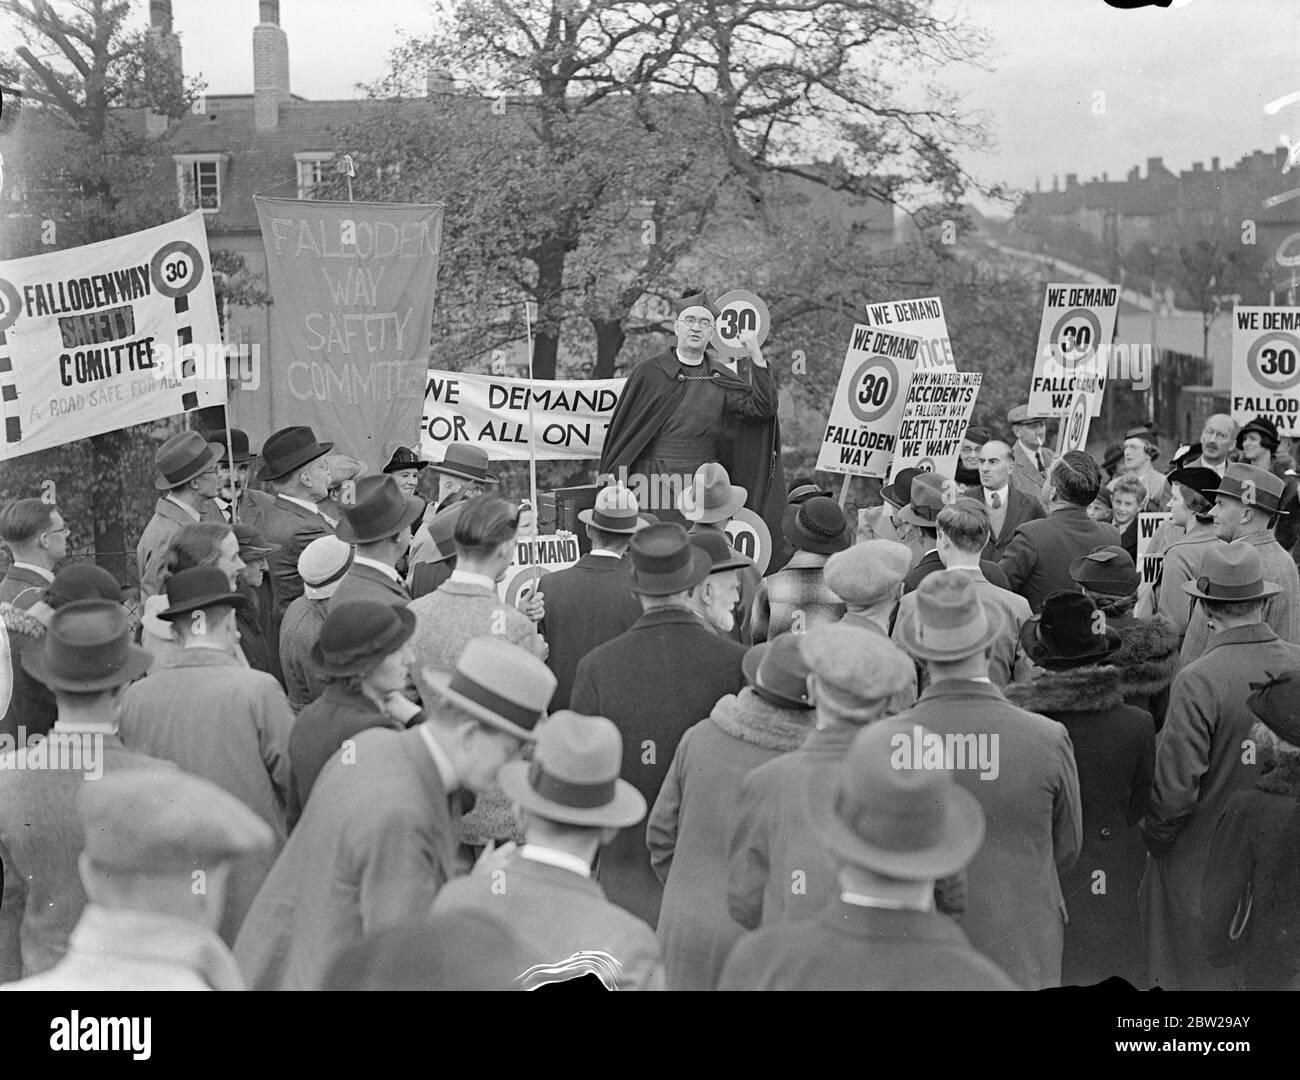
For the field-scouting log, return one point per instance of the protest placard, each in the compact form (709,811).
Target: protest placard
(100,337)
(748,533)
(739,310)
(353,285)
(1149,565)
(534,558)
(922,318)
(1266,366)
(1074,340)
(1073,434)
(492,412)
(936,413)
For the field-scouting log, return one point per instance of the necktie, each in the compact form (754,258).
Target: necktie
(1038,457)
(996,500)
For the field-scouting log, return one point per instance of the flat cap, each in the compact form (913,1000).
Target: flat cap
(867,572)
(856,663)
(1020,415)
(166,820)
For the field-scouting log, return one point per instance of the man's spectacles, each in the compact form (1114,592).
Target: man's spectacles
(705,324)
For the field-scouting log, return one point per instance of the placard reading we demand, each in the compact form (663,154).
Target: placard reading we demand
(1266,366)
(1073,346)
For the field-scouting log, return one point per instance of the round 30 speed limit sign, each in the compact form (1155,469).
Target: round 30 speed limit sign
(739,310)
(1274,361)
(873,389)
(1075,432)
(748,533)
(1076,336)
(176,269)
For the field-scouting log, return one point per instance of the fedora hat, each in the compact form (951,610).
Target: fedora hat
(899,493)
(380,510)
(358,634)
(181,458)
(1231,574)
(893,816)
(615,511)
(948,622)
(1109,570)
(501,684)
(778,672)
(238,443)
(819,526)
(1277,704)
(252,544)
(721,554)
(465,463)
(197,588)
(1264,428)
(404,458)
(1068,632)
(288,449)
(1252,486)
(573,776)
(711,495)
(662,561)
(322,565)
(927,499)
(86,647)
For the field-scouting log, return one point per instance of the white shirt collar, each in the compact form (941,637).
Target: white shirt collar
(468,577)
(361,560)
(303,503)
(862,900)
(184,506)
(84,727)
(38,570)
(604,551)
(551,857)
(689,363)
(446,770)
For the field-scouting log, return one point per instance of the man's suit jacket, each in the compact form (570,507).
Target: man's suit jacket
(151,552)
(373,847)
(1037,561)
(654,681)
(1026,476)
(556,913)
(293,527)
(586,605)
(1019,509)
(366,583)
(1015,911)
(930,563)
(22,588)
(848,947)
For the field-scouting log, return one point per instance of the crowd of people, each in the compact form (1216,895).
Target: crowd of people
(956,744)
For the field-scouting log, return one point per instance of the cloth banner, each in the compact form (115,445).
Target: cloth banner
(101,337)
(936,414)
(1074,348)
(496,414)
(353,287)
(1266,366)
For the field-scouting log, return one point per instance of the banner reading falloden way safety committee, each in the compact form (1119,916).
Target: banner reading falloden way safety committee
(95,338)
(492,412)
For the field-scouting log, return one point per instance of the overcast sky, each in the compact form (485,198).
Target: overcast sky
(1184,84)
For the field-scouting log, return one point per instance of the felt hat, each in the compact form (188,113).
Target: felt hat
(855,663)
(899,493)
(181,458)
(404,458)
(615,511)
(573,776)
(1205,482)
(252,544)
(1109,570)
(81,581)
(778,672)
(357,635)
(1020,415)
(867,573)
(1103,496)
(379,510)
(197,588)
(322,565)
(465,463)
(1070,631)
(721,554)
(927,499)
(948,622)
(498,682)
(1252,486)
(979,435)
(288,449)
(909,821)
(165,821)
(661,560)
(801,493)
(1113,457)
(711,496)
(1277,703)
(819,526)
(86,647)
(1231,574)
(1264,428)
(238,443)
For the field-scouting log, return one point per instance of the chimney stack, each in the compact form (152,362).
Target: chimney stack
(1214,164)
(1154,165)
(164,39)
(1198,166)
(1071,180)
(270,66)
(1133,174)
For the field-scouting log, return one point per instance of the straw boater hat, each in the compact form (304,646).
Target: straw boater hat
(1231,574)
(948,622)
(1067,632)
(711,496)
(322,565)
(85,648)
(501,684)
(615,511)
(181,458)
(465,463)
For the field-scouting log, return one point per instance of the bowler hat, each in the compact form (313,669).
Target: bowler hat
(949,622)
(465,463)
(357,635)
(82,581)
(662,561)
(197,588)
(1109,570)
(181,458)
(573,776)
(86,647)
(404,458)
(711,496)
(778,672)
(615,511)
(1205,482)
(899,493)
(238,443)
(380,510)
(721,554)
(819,526)
(156,821)
(1070,631)
(288,449)
(1277,703)
(894,815)
(867,573)
(322,565)
(1231,574)
(498,682)
(929,496)
(1020,415)
(252,544)
(855,663)
(1264,428)
(1252,486)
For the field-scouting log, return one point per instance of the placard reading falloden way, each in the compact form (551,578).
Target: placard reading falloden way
(1073,347)
(1266,366)
(936,414)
